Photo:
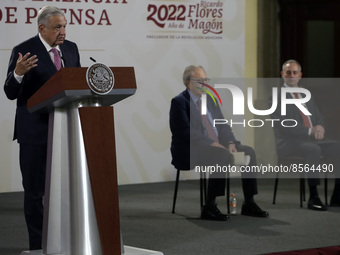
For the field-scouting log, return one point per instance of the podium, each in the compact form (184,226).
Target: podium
(81,206)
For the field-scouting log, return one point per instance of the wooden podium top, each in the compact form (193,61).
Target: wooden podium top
(69,85)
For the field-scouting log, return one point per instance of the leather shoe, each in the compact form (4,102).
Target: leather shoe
(316,204)
(213,213)
(252,209)
(335,201)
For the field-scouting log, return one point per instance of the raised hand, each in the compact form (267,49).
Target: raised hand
(25,63)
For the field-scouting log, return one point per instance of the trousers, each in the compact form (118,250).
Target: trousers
(33,170)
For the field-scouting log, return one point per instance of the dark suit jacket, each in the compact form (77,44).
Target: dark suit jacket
(32,128)
(288,137)
(188,132)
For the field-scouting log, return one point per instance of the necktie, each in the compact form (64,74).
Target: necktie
(57,59)
(305,118)
(208,126)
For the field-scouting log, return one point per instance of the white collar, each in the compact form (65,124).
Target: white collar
(47,46)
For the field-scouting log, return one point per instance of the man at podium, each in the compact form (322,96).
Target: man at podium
(32,63)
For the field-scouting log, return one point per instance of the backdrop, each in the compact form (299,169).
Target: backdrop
(159,39)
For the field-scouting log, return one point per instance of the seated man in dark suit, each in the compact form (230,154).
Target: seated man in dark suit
(307,138)
(193,144)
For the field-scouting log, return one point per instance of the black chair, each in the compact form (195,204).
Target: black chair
(203,190)
(297,160)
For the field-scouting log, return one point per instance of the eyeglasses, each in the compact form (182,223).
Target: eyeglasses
(206,80)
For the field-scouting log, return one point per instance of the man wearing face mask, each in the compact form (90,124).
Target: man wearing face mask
(307,139)
(32,63)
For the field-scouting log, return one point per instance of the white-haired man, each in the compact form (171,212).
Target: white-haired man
(32,63)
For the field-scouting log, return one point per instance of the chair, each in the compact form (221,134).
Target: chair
(297,160)
(238,159)
(203,190)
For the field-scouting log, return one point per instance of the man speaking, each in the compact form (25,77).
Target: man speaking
(32,63)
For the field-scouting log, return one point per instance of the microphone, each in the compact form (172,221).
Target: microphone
(63,61)
(93,59)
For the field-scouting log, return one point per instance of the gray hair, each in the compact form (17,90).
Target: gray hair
(290,61)
(189,71)
(46,12)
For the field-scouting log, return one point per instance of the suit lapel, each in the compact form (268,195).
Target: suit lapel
(212,108)
(194,113)
(65,54)
(44,56)
(297,113)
